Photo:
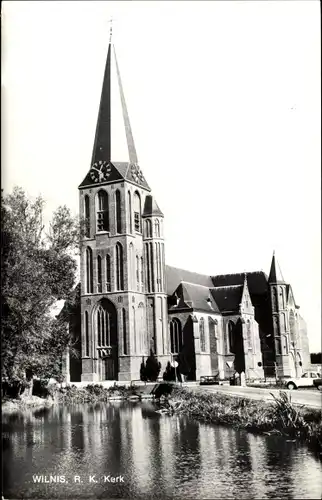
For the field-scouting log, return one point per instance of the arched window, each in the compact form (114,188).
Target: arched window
(202,335)
(137,212)
(119,267)
(87,216)
(277,345)
(157,228)
(129,212)
(125,346)
(108,273)
(86,333)
(176,340)
(102,211)
(89,270)
(284,344)
(275,301)
(103,327)
(142,275)
(231,339)
(249,334)
(141,327)
(99,274)
(212,326)
(118,211)
(293,329)
(276,325)
(148,228)
(281,294)
(131,277)
(134,328)
(137,273)
(283,323)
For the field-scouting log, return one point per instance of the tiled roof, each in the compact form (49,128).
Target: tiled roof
(228,298)
(256,281)
(175,276)
(195,297)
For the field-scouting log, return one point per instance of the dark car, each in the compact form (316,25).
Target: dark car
(318,383)
(209,380)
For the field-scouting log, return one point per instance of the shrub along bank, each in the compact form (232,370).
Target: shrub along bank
(277,417)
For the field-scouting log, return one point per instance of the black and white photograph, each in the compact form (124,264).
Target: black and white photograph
(161,250)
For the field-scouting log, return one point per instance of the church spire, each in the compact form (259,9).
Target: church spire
(275,274)
(110,125)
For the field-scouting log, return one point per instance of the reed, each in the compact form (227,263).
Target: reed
(277,417)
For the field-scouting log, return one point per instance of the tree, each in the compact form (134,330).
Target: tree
(37,269)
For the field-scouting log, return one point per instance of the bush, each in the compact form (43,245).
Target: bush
(169,373)
(152,368)
(143,376)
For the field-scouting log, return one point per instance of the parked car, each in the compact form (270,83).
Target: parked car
(306,380)
(318,383)
(209,380)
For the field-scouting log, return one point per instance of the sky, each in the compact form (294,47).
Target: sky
(224,104)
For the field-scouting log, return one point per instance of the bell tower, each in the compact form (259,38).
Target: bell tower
(116,288)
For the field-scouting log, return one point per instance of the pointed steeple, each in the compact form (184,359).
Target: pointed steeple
(275,274)
(114,155)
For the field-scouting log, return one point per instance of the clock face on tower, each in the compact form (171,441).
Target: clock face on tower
(136,173)
(100,171)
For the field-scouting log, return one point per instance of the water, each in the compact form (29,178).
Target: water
(156,455)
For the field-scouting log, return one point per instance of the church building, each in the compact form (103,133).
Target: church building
(132,303)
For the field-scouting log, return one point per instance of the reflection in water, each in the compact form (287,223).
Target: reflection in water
(159,456)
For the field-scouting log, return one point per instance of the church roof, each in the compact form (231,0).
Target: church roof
(256,281)
(195,296)
(114,155)
(151,207)
(228,298)
(175,276)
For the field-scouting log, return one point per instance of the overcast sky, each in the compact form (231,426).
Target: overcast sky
(224,103)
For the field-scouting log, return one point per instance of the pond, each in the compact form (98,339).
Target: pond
(127,450)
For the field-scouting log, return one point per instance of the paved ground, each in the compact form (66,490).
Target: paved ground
(307,398)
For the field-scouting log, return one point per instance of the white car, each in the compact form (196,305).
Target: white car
(306,380)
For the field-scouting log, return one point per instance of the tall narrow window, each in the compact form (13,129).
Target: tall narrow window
(125,348)
(142,275)
(86,332)
(118,211)
(137,273)
(281,293)
(157,228)
(119,267)
(148,228)
(99,328)
(99,274)
(131,278)
(129,212)
(202,335)
(275,301)
(175,336)
(89,270)
(87,216)
(137,212)
(108,273)
(134,328)
(231,336)
(102,211)
(249,334)
(103,327)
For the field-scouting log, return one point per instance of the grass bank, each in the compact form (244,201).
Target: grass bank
(93,393)
(13,405)
(277,417)
(72,395)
